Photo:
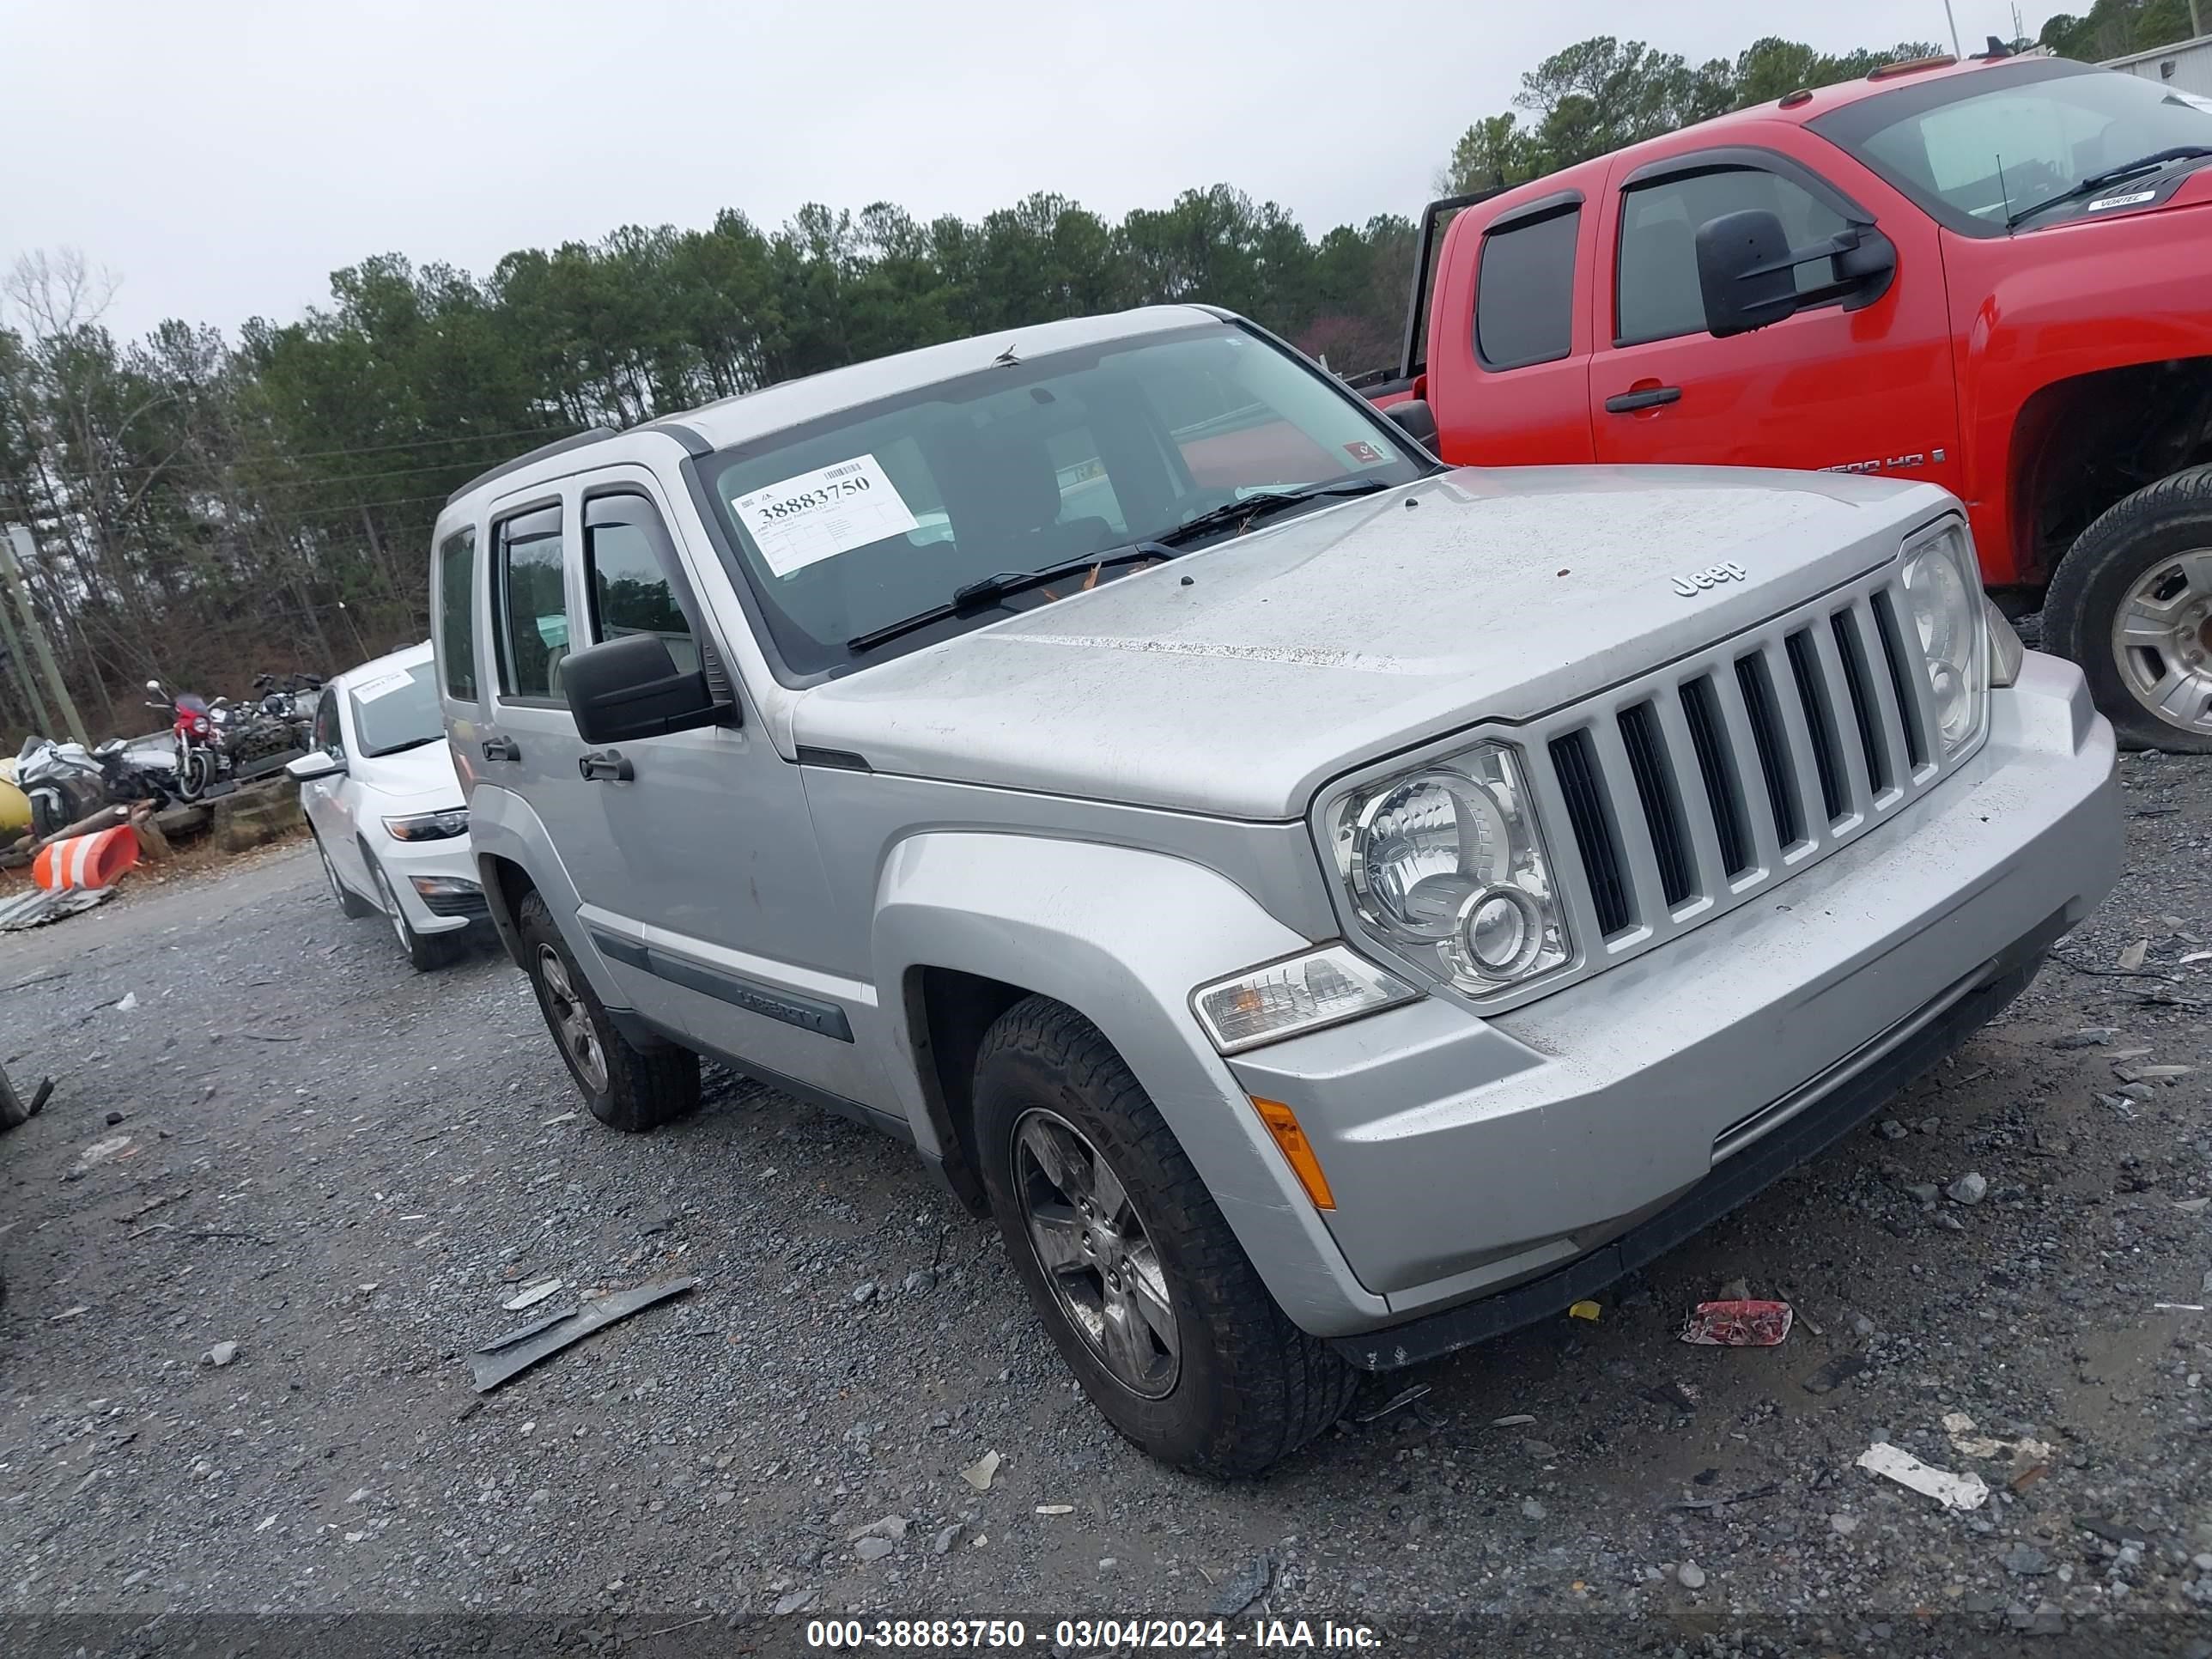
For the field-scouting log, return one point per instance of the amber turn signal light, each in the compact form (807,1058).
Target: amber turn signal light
(1297,1150)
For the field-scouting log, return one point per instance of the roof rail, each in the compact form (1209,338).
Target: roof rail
(559,445)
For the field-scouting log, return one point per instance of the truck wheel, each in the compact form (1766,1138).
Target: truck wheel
(2132,603)
(626,1087)
(1144,1288)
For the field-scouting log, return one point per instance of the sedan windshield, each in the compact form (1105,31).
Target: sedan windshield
(1980,149)
(886,511)
(397,710)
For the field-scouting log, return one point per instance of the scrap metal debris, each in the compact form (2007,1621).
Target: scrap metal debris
(1744,1323)
(510,1355)
(36,908)
(1402,1398)
(1954,1491)
(531,1298)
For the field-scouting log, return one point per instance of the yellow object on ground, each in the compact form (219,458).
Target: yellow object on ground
(14,811)
(1584,1311)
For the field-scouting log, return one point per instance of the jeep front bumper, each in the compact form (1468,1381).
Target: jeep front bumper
(1488,1172)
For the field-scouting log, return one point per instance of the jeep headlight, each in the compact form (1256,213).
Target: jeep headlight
(1446,864)
(1943,594)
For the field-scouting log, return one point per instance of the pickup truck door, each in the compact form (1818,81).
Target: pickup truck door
(692,853)
(1865,391)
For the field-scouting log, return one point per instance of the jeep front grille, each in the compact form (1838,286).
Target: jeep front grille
(1684,792)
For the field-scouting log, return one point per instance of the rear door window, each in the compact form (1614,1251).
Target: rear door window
(457,614)
(532,606)
(1525,291)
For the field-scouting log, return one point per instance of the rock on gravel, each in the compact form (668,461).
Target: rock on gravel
(1690,1576)
(1969,1189)
(222,1354)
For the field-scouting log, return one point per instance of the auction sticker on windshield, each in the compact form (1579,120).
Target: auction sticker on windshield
(382,685)
(817,515)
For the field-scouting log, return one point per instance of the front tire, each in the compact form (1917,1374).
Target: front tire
(425,952)
(2132,603)
(1144,1290)
(352,904)
(628,1088)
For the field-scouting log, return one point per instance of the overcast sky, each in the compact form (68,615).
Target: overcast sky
(221,157)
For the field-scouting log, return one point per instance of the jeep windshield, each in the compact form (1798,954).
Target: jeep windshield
(882,512)
(2014,145)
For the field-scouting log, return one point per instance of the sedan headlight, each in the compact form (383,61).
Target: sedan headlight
(429,826)
(1447,865)
(1943,592)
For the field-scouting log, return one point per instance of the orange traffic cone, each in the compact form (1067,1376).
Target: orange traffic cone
(93,860)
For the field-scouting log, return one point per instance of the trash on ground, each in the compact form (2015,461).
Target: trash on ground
(36,907)
(2176,1307)
(2197,956)
(1954,1491)
(565,1117)
(980,1472)
(1738,1324)
(2149,1073)
(531,1298)
(2192,1206)
(1968,1441)
(78,1311)
(1055,1509)
(1403,1397)
(130,1001)
(1513,1422)
(1833,1374)
(1243,1586)
(2132,957)
(1588,1310)
(510,1355)
(892,1527)
(101,1151)
(222,1354)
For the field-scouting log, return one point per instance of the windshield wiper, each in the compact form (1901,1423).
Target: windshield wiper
(989,590)
(2097,181)
(1241,513)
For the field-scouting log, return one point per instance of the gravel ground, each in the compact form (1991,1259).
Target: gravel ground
(343,1170)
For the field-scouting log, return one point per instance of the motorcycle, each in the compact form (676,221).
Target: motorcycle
(192,726)
(131,778)
(61,781)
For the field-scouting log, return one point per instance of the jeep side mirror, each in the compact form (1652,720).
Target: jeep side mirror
(1747,271)
(629,688)
(1416,420)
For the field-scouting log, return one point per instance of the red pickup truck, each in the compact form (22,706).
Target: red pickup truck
(1995,274)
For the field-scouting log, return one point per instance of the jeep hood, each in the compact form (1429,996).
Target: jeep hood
(1239,679)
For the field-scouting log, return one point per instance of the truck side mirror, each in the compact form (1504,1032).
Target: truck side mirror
(1416,420)
(1747,271)
(629,688)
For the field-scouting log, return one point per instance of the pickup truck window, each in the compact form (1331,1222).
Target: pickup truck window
(1656,296)
(1525,292)
(871,515)
(1975,151)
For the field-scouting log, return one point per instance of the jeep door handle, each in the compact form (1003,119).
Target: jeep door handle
(1651,397)
(502,749)
(608,766)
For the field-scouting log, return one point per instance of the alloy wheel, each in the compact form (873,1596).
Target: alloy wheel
(391,906)
(1096,1253)
(2162,640)
(572,1021)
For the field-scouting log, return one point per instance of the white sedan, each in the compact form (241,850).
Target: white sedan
(387,811)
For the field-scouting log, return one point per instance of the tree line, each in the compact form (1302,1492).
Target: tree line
(204,507)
